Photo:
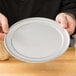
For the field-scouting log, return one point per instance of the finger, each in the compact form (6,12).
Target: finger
(1,31)
(5,26)
(71,25)
(2,35)
(64,22)
(58,20)
(71,29)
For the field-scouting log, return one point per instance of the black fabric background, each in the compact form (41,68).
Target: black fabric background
(16,10)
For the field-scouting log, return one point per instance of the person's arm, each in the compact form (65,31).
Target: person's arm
(4,55)
(3,26)
(67,17)
(3,21)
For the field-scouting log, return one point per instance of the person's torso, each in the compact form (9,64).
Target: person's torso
(20,9)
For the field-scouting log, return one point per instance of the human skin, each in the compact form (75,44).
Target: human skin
(3,26)
(66,20)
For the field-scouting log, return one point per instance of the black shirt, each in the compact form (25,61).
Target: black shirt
(16,10)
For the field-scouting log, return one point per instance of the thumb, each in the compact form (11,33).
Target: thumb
(64,23)
(4,25)
(61,19)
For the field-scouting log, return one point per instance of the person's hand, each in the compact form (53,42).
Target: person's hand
(67,21)
(3,26)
